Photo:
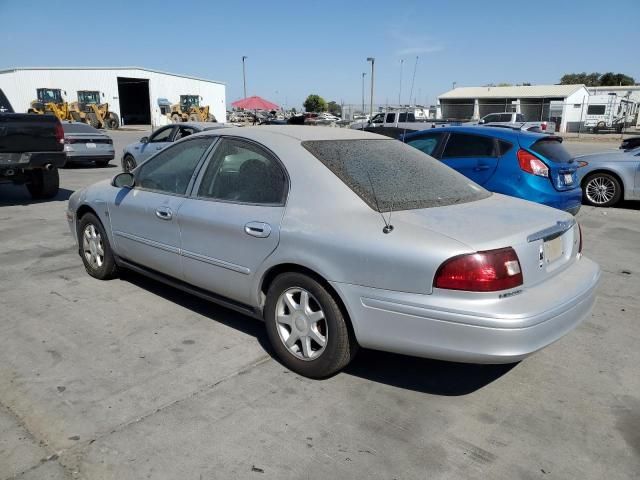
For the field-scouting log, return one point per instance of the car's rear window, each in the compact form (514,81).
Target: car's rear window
(78,128)
(552,149)
(389,175)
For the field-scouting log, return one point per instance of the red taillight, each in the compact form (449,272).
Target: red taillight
(487,271)
(532,164)
(59,133)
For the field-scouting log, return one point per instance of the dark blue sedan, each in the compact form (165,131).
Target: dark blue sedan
(531,166)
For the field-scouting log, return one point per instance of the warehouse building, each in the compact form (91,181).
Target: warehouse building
(562,104)
(136,95)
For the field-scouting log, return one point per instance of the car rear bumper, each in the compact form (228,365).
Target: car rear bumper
(84,158)
(540,190)
(28,160)
(485,330)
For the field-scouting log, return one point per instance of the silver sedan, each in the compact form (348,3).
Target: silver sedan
(609,177)
(84,144)
(338,238)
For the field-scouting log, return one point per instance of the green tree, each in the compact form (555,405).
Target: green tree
(589,79)
(315,103)
(334,108)
(610,79)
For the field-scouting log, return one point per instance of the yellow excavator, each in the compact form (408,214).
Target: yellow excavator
(49,101)
(88,109)
(189,109)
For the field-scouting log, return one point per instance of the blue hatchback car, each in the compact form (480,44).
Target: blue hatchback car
(527,165)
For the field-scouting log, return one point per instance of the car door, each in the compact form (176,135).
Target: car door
(231,222)
(475,156)
(159,140)
(144,218)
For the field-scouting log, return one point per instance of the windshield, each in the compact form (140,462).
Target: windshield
(189,100)
(49,95)
(389,175)
(89,97)
(552,149)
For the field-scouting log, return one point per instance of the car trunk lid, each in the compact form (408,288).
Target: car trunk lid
(562,167)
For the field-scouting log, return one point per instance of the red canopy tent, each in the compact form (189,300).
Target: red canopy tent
(255,103)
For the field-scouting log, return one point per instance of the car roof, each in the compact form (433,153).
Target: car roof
(497,132)
(298,132)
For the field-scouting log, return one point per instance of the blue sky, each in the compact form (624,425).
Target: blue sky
(301,47)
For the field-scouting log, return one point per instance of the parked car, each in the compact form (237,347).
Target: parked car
(136,153)
(85,144)
(606,178)
(630,143)
(516,120)
(31,150)
(337,239)
(527,165)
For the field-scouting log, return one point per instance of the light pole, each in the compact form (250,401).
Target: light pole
(400,89)
(363,75)
(244,76)
(373,61)
(454,85)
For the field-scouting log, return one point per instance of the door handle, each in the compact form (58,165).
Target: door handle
(258,229)
(164,213)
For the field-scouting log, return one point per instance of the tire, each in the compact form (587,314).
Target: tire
(92,120)
(44,183)
(175,118)
(112,122)
(314,360)
(601,190)
(194,117)
(128,163)
(211,118)
(93,240)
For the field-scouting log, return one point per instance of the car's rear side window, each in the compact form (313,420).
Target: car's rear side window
(466,145)
(389,175)
(552,149)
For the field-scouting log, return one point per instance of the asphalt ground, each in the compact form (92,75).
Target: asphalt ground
(129,379)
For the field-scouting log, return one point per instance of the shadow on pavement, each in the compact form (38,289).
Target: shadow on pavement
(18,195)
(422,375)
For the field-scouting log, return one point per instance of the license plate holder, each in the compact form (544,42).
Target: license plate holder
(568,178)
(553,249)
(91,145)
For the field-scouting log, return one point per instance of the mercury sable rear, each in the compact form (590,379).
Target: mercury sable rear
(338,239)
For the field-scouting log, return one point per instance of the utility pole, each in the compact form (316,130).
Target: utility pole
(373,61)
(363,75)
(400,89)
(244,76)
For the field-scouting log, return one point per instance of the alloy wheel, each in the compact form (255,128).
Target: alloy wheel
(301,324)
(92,246)
(600,190)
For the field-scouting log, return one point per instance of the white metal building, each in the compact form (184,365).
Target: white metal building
(560,103)
(131,92)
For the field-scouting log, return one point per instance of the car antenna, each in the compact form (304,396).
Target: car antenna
(388,228)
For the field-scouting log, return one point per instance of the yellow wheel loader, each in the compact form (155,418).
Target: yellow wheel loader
(50,102)
(189,110)
(88,109)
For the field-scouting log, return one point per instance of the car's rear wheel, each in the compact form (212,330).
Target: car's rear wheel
(602,190)
(95,249)
(128,163)
(306,326)
(43,183)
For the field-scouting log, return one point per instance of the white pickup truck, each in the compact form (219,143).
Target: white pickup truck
(515,120)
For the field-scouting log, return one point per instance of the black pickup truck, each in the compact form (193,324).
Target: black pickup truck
(31,150)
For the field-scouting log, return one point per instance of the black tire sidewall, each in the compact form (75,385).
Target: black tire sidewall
(108,268)
(44,183)
(333,358)
(125,161)
(616,196)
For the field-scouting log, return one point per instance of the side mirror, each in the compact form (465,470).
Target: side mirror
(144,140)
(123,180)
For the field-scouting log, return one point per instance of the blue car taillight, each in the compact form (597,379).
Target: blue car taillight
(531,164)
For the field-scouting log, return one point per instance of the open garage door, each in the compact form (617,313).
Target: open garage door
(134,101)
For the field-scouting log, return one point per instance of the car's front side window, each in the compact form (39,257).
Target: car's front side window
(163,135)
(243,172)
(170,171)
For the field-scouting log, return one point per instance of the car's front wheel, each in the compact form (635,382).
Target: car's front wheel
(128,163)
(95,249)
(602,190)
(306,326)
